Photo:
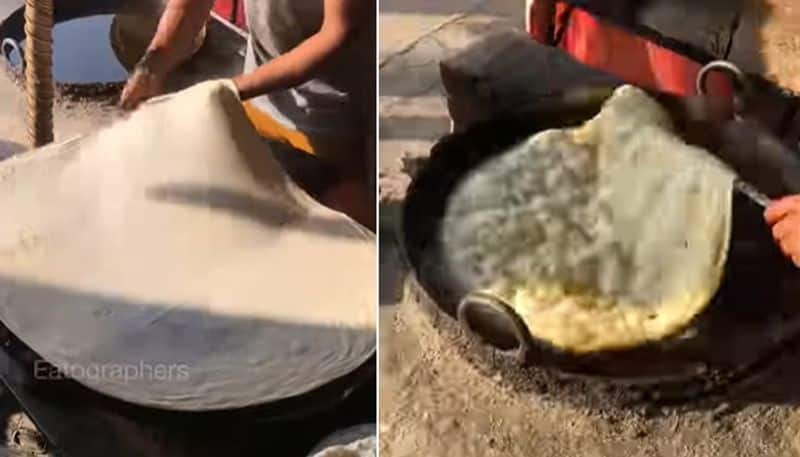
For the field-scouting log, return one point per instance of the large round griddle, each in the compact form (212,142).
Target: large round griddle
(169,262)
(752,315)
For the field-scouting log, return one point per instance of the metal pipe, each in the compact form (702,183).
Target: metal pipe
(39,86)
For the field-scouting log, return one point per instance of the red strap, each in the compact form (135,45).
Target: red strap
(233,11)
(625,55)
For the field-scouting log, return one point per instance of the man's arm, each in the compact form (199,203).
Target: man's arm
(173,43)
(302,63)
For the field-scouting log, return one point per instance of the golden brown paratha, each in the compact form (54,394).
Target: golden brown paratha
(601,237)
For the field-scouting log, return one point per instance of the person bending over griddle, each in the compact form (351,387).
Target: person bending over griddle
(308,81)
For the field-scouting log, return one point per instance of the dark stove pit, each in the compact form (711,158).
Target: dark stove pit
(82,52)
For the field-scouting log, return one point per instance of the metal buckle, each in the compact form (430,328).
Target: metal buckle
(741,83)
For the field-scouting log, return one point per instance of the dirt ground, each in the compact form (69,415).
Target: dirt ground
(434,402)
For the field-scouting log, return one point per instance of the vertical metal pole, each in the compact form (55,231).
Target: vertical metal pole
(39,85)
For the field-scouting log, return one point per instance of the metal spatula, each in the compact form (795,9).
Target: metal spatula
(751,192)
(766,168)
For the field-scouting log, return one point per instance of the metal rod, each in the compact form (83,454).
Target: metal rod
(39,85)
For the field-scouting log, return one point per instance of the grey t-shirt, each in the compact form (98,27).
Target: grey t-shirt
(341,99)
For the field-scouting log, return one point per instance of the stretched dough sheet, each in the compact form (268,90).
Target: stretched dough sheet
(602,237)
(169,261)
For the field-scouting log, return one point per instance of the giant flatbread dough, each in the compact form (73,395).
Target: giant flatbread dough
(601,237)
(169,261)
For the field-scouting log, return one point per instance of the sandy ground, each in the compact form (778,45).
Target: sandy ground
(433,401)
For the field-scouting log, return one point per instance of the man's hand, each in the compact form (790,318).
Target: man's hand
(783,216)
(174,42)
(141,86)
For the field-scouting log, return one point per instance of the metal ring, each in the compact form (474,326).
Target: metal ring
(720,65)
(495,322)
(6,47)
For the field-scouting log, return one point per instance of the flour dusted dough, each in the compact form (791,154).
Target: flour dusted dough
(602,237)
(362,448)
(169,261)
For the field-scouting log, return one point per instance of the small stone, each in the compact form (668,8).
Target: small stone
(23,435)
(721,410)
(655,395)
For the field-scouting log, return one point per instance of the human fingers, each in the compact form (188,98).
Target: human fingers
(778,209)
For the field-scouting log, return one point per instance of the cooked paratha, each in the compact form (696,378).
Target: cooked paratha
(601,237)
